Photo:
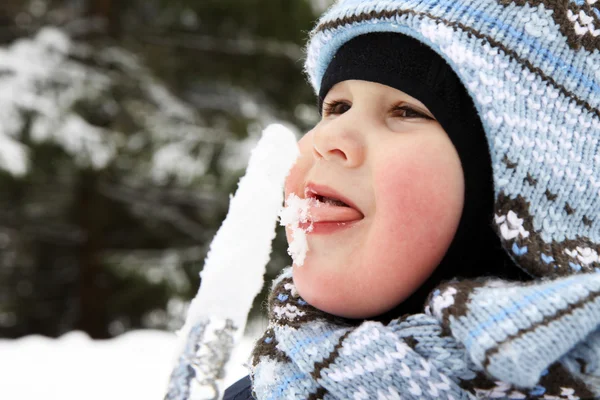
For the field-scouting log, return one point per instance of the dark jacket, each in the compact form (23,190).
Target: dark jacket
(241,390)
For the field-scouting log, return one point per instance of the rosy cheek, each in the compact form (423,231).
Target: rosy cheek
(416,193)
(422,199)
(294,182)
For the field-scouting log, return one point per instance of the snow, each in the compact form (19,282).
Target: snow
(39,80)
(49,79)
(85,142)
(172,159)
(135,365)
(54,39)
(242,246)
(13,156)
(240,250)
(295,212)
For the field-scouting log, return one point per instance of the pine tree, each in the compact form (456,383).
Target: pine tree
(121,129)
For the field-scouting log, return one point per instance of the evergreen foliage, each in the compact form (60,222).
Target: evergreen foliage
(124,129)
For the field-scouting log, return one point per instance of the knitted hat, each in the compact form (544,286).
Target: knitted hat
(532,79)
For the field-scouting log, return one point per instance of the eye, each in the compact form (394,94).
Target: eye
(408,112)
(335,107)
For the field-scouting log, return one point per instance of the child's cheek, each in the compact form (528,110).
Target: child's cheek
(420,199)
(294,182)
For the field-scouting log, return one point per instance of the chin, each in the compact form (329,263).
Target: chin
(317,292)
(345,312)
(322,297)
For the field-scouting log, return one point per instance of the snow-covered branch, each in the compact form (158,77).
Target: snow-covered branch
(156,265)
(101,106)
(144,205)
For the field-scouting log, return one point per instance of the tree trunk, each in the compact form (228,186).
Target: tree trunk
(93,290)
(108,10)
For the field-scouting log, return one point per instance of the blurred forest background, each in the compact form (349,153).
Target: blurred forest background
(124,127)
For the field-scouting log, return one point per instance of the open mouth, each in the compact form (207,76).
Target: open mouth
(330,201)
(320,211)
(326,196)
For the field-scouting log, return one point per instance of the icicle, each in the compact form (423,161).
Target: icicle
(233,271)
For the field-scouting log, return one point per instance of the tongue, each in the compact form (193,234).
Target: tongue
(330,212)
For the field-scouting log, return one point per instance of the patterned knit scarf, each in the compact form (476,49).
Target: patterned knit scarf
(476,339)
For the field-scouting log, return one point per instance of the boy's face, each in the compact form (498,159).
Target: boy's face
(381,151)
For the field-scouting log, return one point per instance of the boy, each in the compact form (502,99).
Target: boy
(410,177)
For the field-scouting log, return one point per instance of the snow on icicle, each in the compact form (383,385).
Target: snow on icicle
(234,270)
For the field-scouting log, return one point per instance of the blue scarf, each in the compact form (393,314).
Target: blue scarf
(476,339)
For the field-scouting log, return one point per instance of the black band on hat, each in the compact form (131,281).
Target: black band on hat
(403,63)
(400,62)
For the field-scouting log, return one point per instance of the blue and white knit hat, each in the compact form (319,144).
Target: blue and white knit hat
(532,68)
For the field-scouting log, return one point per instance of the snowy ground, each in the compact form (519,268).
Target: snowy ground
(135,365)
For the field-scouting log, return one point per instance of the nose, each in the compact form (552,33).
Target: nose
(340,141)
